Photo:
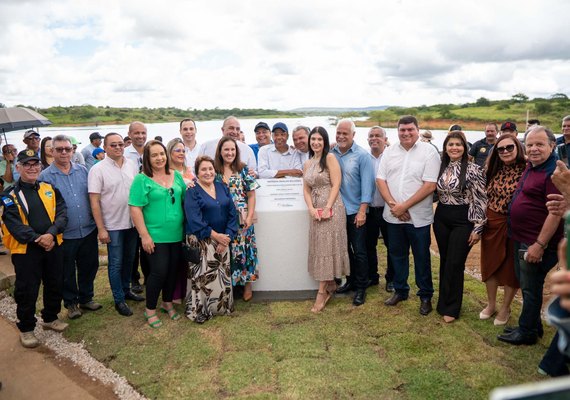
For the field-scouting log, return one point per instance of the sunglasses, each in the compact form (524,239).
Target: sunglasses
(115,145)
(171,193)
(508,149)
(64,149)
(179,150)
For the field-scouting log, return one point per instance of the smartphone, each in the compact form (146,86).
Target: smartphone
(320,212)
(522,254)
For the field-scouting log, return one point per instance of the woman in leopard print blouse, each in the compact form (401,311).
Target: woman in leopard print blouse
(505,166)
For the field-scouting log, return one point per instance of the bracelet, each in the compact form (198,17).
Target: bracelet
(542,245)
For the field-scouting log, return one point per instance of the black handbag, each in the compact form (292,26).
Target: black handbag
(191,250)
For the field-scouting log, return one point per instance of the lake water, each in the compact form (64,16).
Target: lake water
(208,130)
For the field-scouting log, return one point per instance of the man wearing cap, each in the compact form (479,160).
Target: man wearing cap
(481,148)
(509,127)
(191,148)
(87,152)
(109,185)
(426,136)
(76,157)
(356,190)
(231,128)
(32,140)
(278,160)
(34,218)
(80,247)
(301,143)
(262,136)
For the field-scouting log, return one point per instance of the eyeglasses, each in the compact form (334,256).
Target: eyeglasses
(179,150)
(115,145)
(63,149)
(33,138)
(171,193)
(28,165)
(11,151)
(508,148)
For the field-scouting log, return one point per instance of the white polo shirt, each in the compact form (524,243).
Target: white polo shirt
(245,152)
(271,161)
(405,172)
(132,154)
(113,183)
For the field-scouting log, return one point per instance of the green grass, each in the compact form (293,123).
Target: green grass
(280,350)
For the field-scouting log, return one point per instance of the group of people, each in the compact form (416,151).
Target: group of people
(148,201)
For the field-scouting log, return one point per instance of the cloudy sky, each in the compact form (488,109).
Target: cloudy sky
(280,54)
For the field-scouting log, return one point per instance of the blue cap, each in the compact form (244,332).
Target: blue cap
(97,151)
(280,125)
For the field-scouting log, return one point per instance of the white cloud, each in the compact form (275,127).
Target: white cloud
(282,55)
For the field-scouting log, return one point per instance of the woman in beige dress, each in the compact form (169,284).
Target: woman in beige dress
(328,255)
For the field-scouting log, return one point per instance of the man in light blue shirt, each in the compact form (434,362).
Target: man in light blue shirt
(356,189)
(80,247)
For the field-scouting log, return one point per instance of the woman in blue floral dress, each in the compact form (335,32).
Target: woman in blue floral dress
(234,173)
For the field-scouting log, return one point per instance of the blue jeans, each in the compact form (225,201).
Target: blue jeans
(121,253)
(357,253)
(531,277)
(80,265)
(402,236)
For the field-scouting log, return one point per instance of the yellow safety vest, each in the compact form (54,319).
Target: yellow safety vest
(47,196)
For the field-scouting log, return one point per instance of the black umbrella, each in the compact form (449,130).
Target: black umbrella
(16,118)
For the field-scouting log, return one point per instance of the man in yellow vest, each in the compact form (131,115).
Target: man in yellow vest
(34,219)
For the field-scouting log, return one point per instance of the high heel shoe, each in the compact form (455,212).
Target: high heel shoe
(154,324)
(331,290)
(501,322)
(484,315)
(171,313)
(317,308)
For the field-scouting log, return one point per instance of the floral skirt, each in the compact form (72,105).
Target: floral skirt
(209,284)
(244,257)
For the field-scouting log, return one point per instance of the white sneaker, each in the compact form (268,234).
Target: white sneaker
(29,340)
(55,325)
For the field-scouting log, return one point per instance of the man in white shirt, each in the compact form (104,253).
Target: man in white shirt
(109,183)
(407,178)
(301,143)
(278,160)
(188,134)
(375,222)
(231,127)
(134,152)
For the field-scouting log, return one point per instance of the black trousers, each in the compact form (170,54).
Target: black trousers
(139,255)
(452,230)
(163,263)
(357,253)
(80,265)
(35,267)
(375,224)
